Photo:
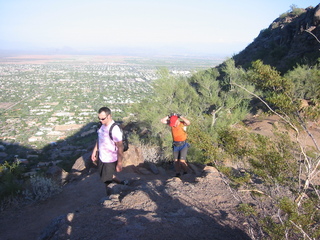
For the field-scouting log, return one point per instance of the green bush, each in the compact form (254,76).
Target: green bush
(274,159)
(294,12)
(10,179)
(204,142)
(235,142)
(296,221)
(247,209)
(238,179)
(306,81)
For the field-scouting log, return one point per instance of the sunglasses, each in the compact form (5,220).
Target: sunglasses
(102,119)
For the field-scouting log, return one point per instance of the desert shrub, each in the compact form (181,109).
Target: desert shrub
(237,178)
(134,138)
(247,209)
(204,142)
(267,78)
(272,229)
(293,221)
(294,11)
(196,155)
(151,153)
(235,142)
(306,81)
(279,162)
(312,112)
(41,188)
(273,159)
(10,179)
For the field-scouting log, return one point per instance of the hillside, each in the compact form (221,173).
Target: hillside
(155,205)
(287,41)
(236,202)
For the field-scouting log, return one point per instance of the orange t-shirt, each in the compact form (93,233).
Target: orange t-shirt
(178,133)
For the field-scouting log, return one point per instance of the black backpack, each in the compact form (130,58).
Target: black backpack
(125,141)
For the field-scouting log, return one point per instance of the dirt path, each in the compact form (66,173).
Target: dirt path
(151,207)
(30,220)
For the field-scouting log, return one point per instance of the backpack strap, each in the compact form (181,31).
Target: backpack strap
(110,130)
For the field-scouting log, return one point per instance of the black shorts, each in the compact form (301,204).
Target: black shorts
(106,171)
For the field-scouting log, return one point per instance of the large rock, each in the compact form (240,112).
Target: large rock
(316,18)
(132,157)
(82,163)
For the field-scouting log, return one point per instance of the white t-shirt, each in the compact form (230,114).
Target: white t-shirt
(107,147)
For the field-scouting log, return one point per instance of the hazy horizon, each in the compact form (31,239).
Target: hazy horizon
(140,27)
(165,50)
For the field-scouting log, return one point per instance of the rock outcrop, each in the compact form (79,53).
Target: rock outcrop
(290,39)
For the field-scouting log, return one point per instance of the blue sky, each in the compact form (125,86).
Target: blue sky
(153,26)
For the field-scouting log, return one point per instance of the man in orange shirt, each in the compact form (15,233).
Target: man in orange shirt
(179,145)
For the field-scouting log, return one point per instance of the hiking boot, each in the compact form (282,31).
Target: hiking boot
(108,191)
(125,182)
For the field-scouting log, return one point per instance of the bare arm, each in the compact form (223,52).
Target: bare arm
(165,120)
(94,152)
(120,155)
(186,121)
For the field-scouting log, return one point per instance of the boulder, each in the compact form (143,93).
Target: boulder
(57,173)
(132,157)
(82,163)
(153,168)
(316,17)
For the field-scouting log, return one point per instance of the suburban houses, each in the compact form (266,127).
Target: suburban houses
(46,108)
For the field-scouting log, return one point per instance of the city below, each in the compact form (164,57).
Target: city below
(51,100)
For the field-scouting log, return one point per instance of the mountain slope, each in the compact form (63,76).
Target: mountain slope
(290,39)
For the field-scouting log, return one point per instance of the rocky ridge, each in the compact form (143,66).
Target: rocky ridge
(290,39)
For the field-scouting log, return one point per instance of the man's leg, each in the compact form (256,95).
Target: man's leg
(108,189)
(107,174)
(118,181)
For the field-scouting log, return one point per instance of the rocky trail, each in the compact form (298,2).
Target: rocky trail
(199,205)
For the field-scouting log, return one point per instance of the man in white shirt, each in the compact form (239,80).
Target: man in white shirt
(108,152)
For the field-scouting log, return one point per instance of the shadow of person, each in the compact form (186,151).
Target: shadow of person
(152,207)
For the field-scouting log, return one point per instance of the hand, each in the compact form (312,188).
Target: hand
(174,114)
(94,156)
(119,167)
